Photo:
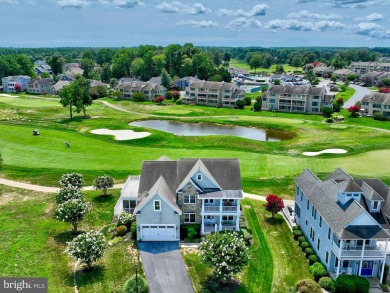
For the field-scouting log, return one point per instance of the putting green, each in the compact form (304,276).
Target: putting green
(29,102)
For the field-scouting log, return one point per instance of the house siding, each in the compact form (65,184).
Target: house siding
(166,216)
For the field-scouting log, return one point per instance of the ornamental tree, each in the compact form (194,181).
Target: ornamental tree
(72,211)
(226,253)
(274,204)
(87,247)
(175,95)
(73,179)
(18,88)
(103,182)
(354,110)
(384,90)
(67,193)
(159,99)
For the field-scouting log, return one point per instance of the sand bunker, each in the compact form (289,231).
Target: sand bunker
(327,151)
(7,95)
(121,134)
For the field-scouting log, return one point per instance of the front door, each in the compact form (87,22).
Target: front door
(367,268)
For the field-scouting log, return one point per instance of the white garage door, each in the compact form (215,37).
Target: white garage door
(158,232)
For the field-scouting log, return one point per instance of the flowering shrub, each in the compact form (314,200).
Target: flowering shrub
(384,90)
(73,179)
(274,204)
(67,193)
(226,253)
(175,95)
(103,182)
(72,211)
(354,110)
(125,218)
(17,88)
(159,99)
(87,247)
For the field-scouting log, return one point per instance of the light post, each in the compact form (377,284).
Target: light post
(136,276)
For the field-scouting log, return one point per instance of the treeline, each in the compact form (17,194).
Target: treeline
(146,61)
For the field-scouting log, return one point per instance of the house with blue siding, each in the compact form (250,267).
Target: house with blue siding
(170,193)
(345,220)
(9,83)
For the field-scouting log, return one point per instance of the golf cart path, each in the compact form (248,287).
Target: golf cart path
(48,189)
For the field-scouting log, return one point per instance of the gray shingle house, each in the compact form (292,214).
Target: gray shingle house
(376,102)
(170,193)
(40,86)
(9,82)
(150,90)
(345,220)
(297,99)
(213,93)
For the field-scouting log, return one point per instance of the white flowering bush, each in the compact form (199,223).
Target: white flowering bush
(72,211)
(103,182)
(73,179)
(125,219)
(67,193)
(87,247)
(226,253)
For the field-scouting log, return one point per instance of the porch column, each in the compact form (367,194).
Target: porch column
(341,247)
(220,223)
(202,227)
(383,262)
(238,206)
(220,206)
(202,206)
(338,267)
(361,258)
(237,223)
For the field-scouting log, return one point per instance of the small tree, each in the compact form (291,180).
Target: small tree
(139,97)
(87,247)
(248,101)
(18,88)
(274,204)
(126,219)
(67,193)
(159,99)
(133,285)
(326,111)
(225,253)
(103,182)
(334,77)
(354,110)
(73,179)
(175,95)
(240,104)
(72,211)
(257,106)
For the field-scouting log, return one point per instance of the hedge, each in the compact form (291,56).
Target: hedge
(352,284)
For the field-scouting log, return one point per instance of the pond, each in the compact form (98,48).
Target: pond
(203,129)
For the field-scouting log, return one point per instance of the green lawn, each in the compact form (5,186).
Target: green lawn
(271,70)
(33,243)
(345,95)
(276,261)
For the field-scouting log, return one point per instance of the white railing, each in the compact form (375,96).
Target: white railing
(228,228)
(229,209)
(209,209)
(377,251)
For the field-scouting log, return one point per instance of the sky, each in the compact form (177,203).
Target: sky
(230,23)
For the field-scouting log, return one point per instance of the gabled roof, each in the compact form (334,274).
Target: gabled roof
(338,174)
(162,189)
(297,90)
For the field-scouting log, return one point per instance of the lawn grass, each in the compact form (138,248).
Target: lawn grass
(271,70)
(33,243)
(346,95)
(276,262)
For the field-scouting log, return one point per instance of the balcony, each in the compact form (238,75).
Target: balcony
(353,252)
(212,209)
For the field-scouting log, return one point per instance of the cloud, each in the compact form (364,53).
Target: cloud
(193,23)
(257,10)
(346,3)
(178,7)
(372,30)
(122,3)
(306,14)
(372,17)
(243,22)
(296,25)
(73,3)
(9,1)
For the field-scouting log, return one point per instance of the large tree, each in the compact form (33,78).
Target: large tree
(274,204)
(67,99)
(166,80)
(255,61)
(55,61)
(225,253)
(121,63)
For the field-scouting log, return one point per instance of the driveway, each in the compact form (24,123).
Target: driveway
(164,267)
(360,92)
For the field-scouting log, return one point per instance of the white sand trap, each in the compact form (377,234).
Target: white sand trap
(121,134)
(327,151)
(7,95)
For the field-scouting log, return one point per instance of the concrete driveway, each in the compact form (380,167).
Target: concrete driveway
(360,92)
(164,267)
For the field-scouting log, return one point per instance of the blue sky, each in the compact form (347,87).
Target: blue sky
(233,23)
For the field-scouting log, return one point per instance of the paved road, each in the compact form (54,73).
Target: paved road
(360,92)
(164,267)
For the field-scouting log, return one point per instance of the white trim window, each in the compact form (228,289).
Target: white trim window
(157,205)
(209,201)
(189,218)
(199,177)
(227,218)
(312,234)
(189,199)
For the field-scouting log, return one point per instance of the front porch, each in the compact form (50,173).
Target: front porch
(215,223)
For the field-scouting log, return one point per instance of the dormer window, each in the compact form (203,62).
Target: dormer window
(199,177)
(375,205)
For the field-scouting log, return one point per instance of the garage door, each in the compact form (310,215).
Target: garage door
(158,232)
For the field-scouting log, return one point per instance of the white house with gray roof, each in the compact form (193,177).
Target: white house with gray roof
(149,89)
(9,82)
(296,99)
(169,193)
(376,102)
(213,93)
(345,220)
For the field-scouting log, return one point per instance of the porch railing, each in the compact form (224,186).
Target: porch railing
(368,252)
